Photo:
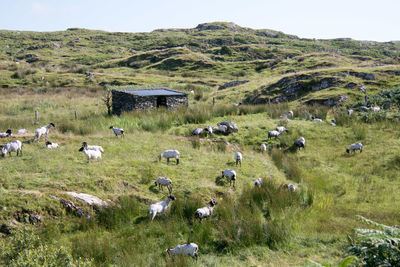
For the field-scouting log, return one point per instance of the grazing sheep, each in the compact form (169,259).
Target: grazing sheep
(22,131)
(281,129)
(333,123)
(90,154)
(300,143)
(162,181)
(8,133)
(208,130)
(350,111)
(50,145)
(290,187)
(43,130)
(273,133)
(290,113)
(187,249)
(205,211)
(238,158)
(375,109)
(223,128)
(238,104)
(258,182)
(230,176)
(160,207)
(92,147)
(197,131)
(354,147)
(118,131)
(170,154)
(14,146)
(316,119)
(263,148)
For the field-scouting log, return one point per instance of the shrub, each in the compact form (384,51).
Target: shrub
(360,131)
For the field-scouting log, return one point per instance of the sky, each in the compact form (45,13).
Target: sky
(377,20)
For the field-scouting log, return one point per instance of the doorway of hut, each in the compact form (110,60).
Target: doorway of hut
(161,101)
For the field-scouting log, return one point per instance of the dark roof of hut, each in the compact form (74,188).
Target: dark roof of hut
(160,91)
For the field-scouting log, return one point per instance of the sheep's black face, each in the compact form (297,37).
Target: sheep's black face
(172,197)
(213,203)
(9,131)
(81,149)
(233,178)
(52,124)
(111,127)
(348,150)
(48,143)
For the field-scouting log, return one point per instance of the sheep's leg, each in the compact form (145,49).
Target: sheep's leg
(237,162)
(167,160)
(154,215)
(170,189)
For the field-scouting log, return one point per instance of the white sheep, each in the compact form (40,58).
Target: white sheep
(354,147)
(93,147)
(197,131)
(90,154)
(281,129)
(375,109)
(205,211)
(50,145)
(300,143)
(14,146)
(22,131)
(187,249)
(170,154)
(273,133)
(230,176)
(118,131)
(350,111)
(316,119)
(8,133)
(290,187)
(238,158)
(258,182)
(290,113)
(43,130)
(208,130)
(162,181)
(263,148)
(333,123)
(160,207)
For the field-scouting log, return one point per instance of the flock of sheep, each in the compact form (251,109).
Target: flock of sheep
(95,152)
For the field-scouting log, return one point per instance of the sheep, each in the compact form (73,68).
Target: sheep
(290,187)
(258,182)
(170,154)
(50,145)
(273,133)
(14,146)
(263,148)
(162,181)
(43,130)
(197,131)
(90,154)
(375,109)
(350,111)
(8,133)
(354,147)
(160,207)
(290,113)
(205,211)
(222,128)
(316,119)
(230,176)
(118,131)
(187,249)
(208,130)
(281,129)
(22,131)
(238,104)
(300,143)
(333,123)
(93,147)
(238,158)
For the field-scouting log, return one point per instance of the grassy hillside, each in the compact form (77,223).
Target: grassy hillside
(266,226)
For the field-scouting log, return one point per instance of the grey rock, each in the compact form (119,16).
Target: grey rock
(231,84)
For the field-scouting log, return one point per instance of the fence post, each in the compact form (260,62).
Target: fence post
(76,115)
(36,116)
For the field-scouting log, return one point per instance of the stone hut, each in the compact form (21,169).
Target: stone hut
(146,98)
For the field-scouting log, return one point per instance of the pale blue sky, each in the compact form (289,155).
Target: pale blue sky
(362,20)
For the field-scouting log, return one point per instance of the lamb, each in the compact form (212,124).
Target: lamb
(333,123)
(238,158)
(92,147)
(170,154)
(43,130)
(258,182)
(230,176)
(118,131)
(205,211)
(273,133)
(281,129)
(300,143)
(50,145)
(8,133)
(162,181)
(263,148)
(14,146)
(316,119)
(187,249)
(160,207)
(90,154)
(354,147)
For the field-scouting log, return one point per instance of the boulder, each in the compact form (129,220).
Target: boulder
(363,75)
(88,199)
(232,84)
(231,126)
